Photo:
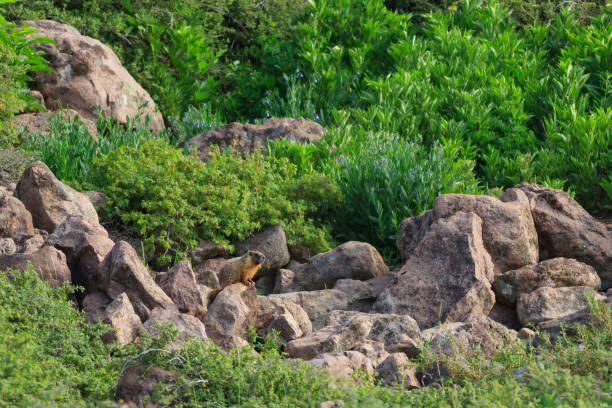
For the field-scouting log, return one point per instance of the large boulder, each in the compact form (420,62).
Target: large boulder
(122,271)
(85,244)
(351,260)
(567,324)
(508,232)
(548,303)
(458,338)
(138,383)
(40,122)
(318,304)
(126,324)
(283,316)
(565,229)
(49,200)
(272,243)
(555,273)
(180,284)
(343,364)
(411,231)
(15,219)
(231,314)
(246,138)
(87,75)
(397,369)
(187,326)
(365,293)
(50,263)
(448,276)
(346,330)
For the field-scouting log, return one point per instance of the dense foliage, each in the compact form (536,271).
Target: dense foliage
(49,356)
(172,199)
(17,59)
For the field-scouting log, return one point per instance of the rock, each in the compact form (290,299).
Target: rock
(567,324)
(32,243)
(207,272)
(447,277)
(265,284)
(508,231)
(351,260)
(283,281)
(555,273)
(85,244)
(97,198)
(120,315)
(94,306)
(7,246)
(505,315)
(40,122)
(284,316)
(366,290)
(346,330)
(411,231)
(397,369)
(207,250)
(87,75)
(457,338)
(319,304)
(49,200)
(565,229)
(299,252)
(272,243)
(15,219)
(293,265)
(180,284)
(235,309)
(49,262)
(138,383)
(526,334)
(187,326)
(548,303)
(122,271)
(246,138)
(343,364)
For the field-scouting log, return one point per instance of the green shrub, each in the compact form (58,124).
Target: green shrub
(69,150)
(17,59)
(171,199)
(390,180)
(50,357)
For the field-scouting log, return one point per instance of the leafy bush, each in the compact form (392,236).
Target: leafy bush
(390,180)
(17,59)
(50,357)
(69,150)
(172,199)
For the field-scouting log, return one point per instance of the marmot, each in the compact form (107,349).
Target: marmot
(240,269)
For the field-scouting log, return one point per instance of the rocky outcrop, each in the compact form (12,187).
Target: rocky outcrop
(246,138)
(49,262)
(351,260)
(447,278)
(548,303)
(87,75)
(85,244)
(187,326)
(565,229)
(272,243)
(347,330)
(458,338)
(508,231)
(126,324)
(180,284)
(49,200)
(15,219)
(555,273)
(234,310)
(123,272)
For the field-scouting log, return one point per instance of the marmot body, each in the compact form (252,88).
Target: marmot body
(241,269)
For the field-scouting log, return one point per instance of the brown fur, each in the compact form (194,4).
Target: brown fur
(239,269)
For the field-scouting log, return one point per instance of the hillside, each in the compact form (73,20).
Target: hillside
(317,203)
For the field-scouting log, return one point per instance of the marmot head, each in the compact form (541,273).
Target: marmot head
(257,257)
